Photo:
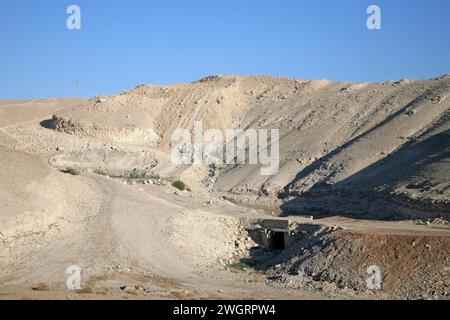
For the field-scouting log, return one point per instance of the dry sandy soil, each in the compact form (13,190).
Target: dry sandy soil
(87,183)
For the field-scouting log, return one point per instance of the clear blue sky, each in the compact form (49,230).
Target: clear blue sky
(123,43)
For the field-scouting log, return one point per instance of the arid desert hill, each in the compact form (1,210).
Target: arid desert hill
(378,149)
(87,182)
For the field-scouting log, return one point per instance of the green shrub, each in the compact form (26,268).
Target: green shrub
(240,266)
(153,176)
(180,185)
(136,174)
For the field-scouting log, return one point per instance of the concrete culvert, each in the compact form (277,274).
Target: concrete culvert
(277,240)
(272,235)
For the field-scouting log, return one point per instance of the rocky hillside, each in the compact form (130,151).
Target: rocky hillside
(379,149)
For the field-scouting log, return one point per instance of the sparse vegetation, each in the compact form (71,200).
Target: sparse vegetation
(134,174)
(180,185)
(154,176)
(240,266)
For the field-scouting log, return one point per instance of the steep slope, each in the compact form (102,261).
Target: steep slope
(374,141)
(398,169)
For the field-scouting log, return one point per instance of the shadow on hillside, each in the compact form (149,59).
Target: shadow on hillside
(360,188)
(317,164)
